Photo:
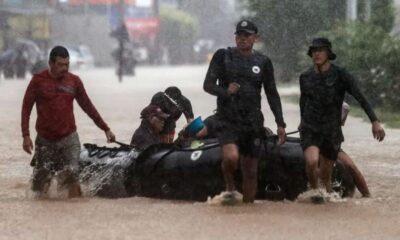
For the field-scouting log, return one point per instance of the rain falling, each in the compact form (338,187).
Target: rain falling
(136,88)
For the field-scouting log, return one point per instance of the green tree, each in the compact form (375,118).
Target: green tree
(287,25)
(216,19)
(368,50)
(370,53)
(381,13)
(178,33)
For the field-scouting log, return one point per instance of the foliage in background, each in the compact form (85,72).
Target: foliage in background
(366,48)
(178,33)
(373,56)
(382,14)
(286,26)
(216,19)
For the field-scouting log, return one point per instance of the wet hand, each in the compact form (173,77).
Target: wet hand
(378,131)
(281,135)
(233,88)
(27,144)
(110,136)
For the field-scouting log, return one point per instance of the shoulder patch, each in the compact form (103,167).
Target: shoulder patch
(196,155)
(256,69)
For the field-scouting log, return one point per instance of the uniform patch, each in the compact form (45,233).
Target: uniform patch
(243,24)
(196,155)
(256,69)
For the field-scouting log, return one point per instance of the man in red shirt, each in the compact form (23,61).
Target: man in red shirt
(57,145)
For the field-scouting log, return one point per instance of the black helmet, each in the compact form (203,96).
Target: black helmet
(322,43)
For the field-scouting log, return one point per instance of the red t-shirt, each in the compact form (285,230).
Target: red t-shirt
(54,105)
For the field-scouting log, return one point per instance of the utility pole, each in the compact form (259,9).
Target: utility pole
(121,40)
(351,10)
(85,8)
(156,7)
(155,46)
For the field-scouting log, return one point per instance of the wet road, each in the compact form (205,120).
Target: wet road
(22,217)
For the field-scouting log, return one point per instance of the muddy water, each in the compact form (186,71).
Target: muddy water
(22,217)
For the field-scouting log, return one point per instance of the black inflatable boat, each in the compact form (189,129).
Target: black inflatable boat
(194,172)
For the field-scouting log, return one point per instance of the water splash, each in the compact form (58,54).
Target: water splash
(53,191)
(220,199)
(333,197)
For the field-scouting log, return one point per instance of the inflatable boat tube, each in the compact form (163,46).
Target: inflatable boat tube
(194,173)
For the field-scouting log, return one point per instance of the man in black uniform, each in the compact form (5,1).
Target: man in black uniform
(172,102)
(323,87)
(148,133)
(236,76)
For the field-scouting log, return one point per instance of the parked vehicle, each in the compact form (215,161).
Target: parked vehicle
(80,57)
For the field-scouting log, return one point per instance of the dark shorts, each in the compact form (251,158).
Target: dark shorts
(247,139)
(60,158)
(329,148)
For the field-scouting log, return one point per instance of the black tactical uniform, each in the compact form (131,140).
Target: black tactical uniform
(173,107)
(321,102)
(214,127)
(240,113)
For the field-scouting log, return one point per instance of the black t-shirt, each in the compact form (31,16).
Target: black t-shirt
(251,73)
(182,105)
(322,97)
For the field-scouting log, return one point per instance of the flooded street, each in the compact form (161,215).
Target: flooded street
(22,217)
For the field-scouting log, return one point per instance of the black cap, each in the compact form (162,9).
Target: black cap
(322,43)
(153,110)
(246,26)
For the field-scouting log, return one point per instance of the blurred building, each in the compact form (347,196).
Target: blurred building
(98,19)
(90,22)
(25,19)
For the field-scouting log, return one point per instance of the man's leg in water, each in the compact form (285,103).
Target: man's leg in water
(249,173)
(326,167)
(311,155)
(359,180)
(230,159)
(45,153)
(69,177)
